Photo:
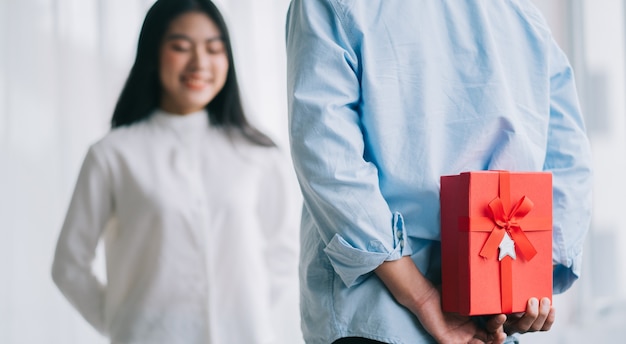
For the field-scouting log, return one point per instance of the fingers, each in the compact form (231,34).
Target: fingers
(495,323)
(539,316)
(549,319)
(495,329)
(529,318)
(541,321)
(497,338)
(489,338)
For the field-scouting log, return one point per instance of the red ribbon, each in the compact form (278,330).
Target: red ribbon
(506,285)
(507,222)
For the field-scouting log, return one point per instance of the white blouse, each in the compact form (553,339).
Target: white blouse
(200,232)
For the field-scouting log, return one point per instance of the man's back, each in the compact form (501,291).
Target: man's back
(388,95)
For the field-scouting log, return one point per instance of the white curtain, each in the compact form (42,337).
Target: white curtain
(62,66)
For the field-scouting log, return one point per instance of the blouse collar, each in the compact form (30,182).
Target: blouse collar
(183,125)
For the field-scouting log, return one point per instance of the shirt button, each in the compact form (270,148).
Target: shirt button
(402,243)
(399,234)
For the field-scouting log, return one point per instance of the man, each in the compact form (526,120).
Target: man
(386,96)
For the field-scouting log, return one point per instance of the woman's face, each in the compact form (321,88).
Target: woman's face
(193,63)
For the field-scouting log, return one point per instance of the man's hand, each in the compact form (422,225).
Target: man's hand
(495,326)
(455,328)
(539,316)
(412,290)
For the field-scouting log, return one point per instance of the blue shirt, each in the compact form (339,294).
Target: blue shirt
(386,96)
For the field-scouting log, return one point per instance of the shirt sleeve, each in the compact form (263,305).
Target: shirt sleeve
(569,159)
(279,206)
(340,187)
(89,210)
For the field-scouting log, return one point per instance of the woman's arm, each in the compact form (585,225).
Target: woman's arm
(89,210)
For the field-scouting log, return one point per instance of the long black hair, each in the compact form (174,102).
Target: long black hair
(142,91)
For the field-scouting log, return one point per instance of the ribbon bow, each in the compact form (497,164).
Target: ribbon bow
(509,223)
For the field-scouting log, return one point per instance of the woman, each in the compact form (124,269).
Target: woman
(193,203)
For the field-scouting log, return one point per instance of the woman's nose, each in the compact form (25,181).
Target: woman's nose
(200,59)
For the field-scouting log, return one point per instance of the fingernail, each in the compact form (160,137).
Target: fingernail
(534,302)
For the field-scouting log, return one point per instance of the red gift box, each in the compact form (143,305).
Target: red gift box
(496,241)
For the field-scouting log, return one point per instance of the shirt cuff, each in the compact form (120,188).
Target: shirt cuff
(563,277)
(354,264)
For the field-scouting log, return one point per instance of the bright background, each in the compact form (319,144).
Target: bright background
(63,63)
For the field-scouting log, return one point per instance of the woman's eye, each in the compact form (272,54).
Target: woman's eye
(179,47)
(216,47)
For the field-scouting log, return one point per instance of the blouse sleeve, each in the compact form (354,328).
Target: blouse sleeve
(279,208)
(89,210)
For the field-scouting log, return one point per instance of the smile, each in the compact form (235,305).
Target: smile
(195,83)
